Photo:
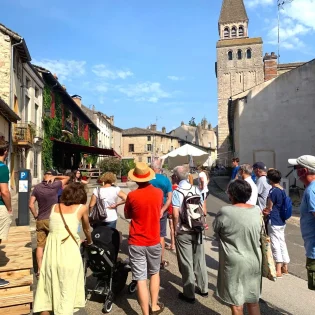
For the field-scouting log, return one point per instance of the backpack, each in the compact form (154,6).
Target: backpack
(191,214)
(286,211)
(98,212)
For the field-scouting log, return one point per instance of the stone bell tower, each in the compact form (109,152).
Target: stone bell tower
(239,65)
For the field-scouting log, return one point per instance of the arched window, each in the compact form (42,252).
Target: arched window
(241,31)
(239,54)
(230,55)
(233,32)
(226,32)
(249,54)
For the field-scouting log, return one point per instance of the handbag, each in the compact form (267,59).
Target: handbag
(98,213)
(67,228)
(268,264)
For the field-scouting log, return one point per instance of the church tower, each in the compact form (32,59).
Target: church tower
(239,65)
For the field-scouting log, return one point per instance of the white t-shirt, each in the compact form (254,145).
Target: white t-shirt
(110,196)
(254,196)
(205,182)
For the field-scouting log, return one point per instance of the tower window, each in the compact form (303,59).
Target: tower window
(230,55)
(249,54)
(239,54)
(226,32)
(241,31)
(233,32)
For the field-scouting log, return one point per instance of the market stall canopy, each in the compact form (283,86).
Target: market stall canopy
(187,154)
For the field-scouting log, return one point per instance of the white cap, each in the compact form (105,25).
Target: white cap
(307,161)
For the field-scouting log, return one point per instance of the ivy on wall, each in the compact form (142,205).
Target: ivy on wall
(53,128)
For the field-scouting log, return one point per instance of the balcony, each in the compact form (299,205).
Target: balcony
(26,134)
(68,127)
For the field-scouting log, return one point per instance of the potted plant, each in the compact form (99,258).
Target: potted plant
(84,175)
(126,166)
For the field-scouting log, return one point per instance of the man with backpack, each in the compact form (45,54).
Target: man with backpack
(304,170)
(189,222)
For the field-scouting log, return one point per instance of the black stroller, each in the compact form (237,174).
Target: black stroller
(101,259)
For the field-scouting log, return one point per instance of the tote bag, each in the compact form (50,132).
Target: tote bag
(98,213)
(268,264)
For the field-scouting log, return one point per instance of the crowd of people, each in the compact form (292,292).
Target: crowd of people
(256,201)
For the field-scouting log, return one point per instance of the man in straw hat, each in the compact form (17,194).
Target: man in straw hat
(143,207)
(5,198)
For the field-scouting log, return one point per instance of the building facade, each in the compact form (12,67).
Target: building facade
(21,88)
(239,65)
(143,145)
(272,122)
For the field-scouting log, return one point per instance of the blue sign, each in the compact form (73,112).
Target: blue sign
(23,175)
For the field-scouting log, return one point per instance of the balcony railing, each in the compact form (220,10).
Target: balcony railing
(24,133)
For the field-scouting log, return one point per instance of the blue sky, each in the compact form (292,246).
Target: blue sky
(148,61)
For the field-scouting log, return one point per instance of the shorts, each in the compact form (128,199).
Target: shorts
(163,225)
(42,230)
(144,261)
(310,266)
(205,195)
(5,222)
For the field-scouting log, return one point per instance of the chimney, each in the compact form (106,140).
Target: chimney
(77,99)
(270,66)
(64,87)
(153,127)
(111,118)
(163,129)
(55,76)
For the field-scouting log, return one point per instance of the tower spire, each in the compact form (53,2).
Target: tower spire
(233,11)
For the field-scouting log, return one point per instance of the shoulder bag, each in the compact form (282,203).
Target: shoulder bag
(268,264)
(67,228)
(98,213)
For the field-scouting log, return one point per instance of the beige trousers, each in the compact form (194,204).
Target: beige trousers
(5,222)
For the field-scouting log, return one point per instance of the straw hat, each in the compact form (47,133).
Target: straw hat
(141,173)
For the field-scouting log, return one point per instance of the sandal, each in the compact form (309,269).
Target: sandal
(164,264)
(161,305)
(169,247)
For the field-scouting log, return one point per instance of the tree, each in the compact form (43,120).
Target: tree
(192,122)
(110,164)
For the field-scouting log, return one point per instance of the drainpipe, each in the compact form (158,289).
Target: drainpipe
(11,101)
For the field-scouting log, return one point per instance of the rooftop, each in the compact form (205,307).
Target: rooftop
(145,132)
(233,11)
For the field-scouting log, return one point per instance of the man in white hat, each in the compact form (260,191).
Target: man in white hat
(143,207)
(304,170)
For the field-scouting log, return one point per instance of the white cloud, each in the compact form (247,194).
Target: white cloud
(103,71)
(65,69)
(175,78)
(255,3)
(101,87)
(144,92)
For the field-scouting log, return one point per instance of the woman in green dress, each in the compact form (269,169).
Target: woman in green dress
(238,230)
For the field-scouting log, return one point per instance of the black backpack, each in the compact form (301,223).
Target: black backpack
(191,214)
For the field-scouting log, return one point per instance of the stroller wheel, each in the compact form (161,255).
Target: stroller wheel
(132,287)
(108,305)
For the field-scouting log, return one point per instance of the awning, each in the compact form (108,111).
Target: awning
(7,112)
(78,148)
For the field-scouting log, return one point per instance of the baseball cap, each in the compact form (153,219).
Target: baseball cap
(52,172)
(307,161)
(260,166)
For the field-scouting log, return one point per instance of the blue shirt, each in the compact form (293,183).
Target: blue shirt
(276,195)
(163,183)
(235,171)
(307,220)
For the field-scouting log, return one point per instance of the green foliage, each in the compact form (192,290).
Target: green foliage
(92,159)
(110,164)
(192,122)
(126,166)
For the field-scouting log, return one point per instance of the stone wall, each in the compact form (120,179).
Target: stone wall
(233,77)
(5,66)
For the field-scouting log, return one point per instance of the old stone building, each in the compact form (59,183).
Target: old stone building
(273,121)
(144,144)
(21,89)
(239,64)
(202,135)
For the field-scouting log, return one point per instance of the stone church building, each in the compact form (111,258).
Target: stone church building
(240,66)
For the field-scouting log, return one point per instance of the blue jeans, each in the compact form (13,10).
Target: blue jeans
(111,224)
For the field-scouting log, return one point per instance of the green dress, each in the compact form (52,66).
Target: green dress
(239,275)
(61,283)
